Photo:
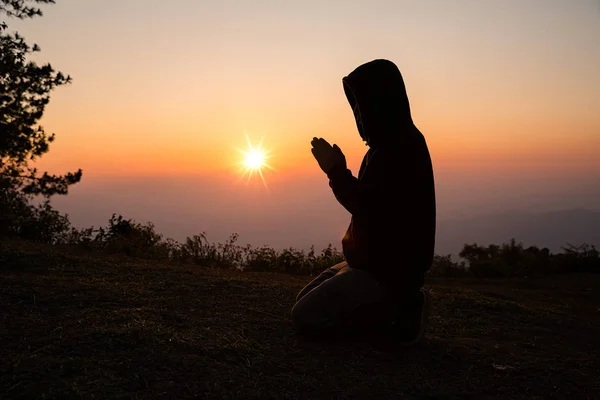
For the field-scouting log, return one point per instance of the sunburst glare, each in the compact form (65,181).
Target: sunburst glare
(254,160)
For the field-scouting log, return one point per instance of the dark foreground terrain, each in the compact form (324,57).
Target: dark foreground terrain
(75,327)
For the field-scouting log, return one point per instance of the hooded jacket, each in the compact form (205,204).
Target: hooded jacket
(392,201)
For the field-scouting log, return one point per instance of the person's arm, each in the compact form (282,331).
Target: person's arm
(356,196)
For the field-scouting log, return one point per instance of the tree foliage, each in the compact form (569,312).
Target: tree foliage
(21,8)
(25,89)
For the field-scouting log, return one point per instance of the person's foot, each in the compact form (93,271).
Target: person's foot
(409,328)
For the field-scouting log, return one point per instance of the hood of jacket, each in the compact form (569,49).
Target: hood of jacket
(377,95)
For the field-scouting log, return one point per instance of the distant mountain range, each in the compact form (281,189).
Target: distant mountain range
(549,229)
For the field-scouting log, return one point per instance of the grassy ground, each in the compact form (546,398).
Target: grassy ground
(77,327)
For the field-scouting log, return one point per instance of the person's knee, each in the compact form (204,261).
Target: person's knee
(308,315)
(301,315)
(306,290)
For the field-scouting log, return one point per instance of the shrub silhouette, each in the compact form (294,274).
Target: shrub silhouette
(121,236)
(511,259)
(36,222)
(444,266)
(132,238)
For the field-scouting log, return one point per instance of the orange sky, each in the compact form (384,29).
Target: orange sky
(165,90)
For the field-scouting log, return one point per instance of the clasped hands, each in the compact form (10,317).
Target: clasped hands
(329,157)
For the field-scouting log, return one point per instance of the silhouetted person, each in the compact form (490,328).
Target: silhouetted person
(389,244)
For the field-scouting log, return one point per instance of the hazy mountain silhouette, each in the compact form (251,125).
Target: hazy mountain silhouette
(547,229)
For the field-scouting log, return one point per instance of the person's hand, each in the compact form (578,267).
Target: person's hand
(329,157)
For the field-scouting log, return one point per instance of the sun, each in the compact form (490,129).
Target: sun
(255,159)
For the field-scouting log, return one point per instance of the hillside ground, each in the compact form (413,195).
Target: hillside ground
(74,326)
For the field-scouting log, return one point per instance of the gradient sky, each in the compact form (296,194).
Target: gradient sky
(505,92)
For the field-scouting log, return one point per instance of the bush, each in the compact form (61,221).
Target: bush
(511,259)
(34,222)
(41,223)
(443,266)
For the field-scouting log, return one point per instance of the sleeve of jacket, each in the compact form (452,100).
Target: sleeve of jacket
(357,196)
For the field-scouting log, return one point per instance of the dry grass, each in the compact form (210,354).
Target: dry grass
(97,328)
